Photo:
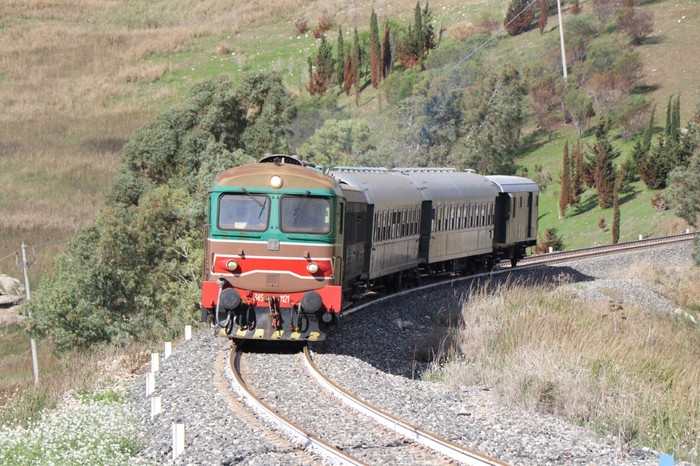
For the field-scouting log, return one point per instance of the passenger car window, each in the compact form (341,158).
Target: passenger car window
(303,214)
(244,212)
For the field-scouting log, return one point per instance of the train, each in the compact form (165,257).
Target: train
(289,245)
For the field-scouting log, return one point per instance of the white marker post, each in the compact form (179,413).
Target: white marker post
(178,440)
(168,350)
(155,406)
(155,362)
(150,383)
(188,332)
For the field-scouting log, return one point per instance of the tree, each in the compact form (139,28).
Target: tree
(348,73)
(542,22)
(616,211)
(564,199)
(492,120)
(579,107)
(408,51)
(387,58)
(418,40)
(518,17)
(356,57)
(637,24)
(604,174)
(338,143)
(321,75)
(545,91)
(648,131)
(375,51)
(267,106)
(576,176)
(685,192)
(340,60)
(428,32)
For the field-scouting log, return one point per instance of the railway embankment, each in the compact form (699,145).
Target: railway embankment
(374,355)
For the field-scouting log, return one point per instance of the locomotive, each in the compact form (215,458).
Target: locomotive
(288,245)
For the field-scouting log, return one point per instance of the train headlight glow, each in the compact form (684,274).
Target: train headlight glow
(276,181)
(312,267)
(232,265)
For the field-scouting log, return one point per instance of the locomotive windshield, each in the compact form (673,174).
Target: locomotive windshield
(304,214)
(244,212)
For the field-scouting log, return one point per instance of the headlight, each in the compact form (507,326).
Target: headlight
(232,265)
(276,181)
(312,267)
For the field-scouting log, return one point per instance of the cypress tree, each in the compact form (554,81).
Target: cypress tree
(648,131)
(564,198)
(616,216)
(418,30)
(320,77)
(387,59)
(604,170)
(576,175)
(542,22)
(375,51)
(669,119)
(340,64)
(676,120)
(356,66)
(428,38)
(348,73)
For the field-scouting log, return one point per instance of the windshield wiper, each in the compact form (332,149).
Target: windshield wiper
(306,194)
(262,205)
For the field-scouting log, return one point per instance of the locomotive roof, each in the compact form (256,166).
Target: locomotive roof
(258,175)
(514,184)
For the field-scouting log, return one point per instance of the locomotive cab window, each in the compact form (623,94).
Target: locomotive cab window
(303,214)
(243,212)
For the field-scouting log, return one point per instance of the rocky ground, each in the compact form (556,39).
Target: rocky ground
(10,297)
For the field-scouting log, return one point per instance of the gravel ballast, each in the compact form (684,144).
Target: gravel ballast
(372,356)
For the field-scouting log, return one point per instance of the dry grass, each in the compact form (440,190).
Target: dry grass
(679,283)
(623,370)
(79,371)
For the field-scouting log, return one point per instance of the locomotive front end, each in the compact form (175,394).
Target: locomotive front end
(273,262)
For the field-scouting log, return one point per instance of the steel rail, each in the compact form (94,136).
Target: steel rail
(574,253)
(432,441)
(297,432)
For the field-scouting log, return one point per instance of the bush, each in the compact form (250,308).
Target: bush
(399,85)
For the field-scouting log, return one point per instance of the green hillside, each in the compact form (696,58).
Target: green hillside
(76,81)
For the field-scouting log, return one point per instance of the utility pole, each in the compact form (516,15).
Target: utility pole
(35,360)
(561,37)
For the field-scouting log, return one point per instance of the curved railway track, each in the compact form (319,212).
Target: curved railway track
(416,439)
(600,250)
(409,445)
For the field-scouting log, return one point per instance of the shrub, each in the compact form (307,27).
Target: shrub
(637,24)
(659,202)
(302,25)
(461,31)
(551,240)
(325,22)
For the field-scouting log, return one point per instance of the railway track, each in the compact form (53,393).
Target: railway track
(600,250)
(405,443)
(371,436)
